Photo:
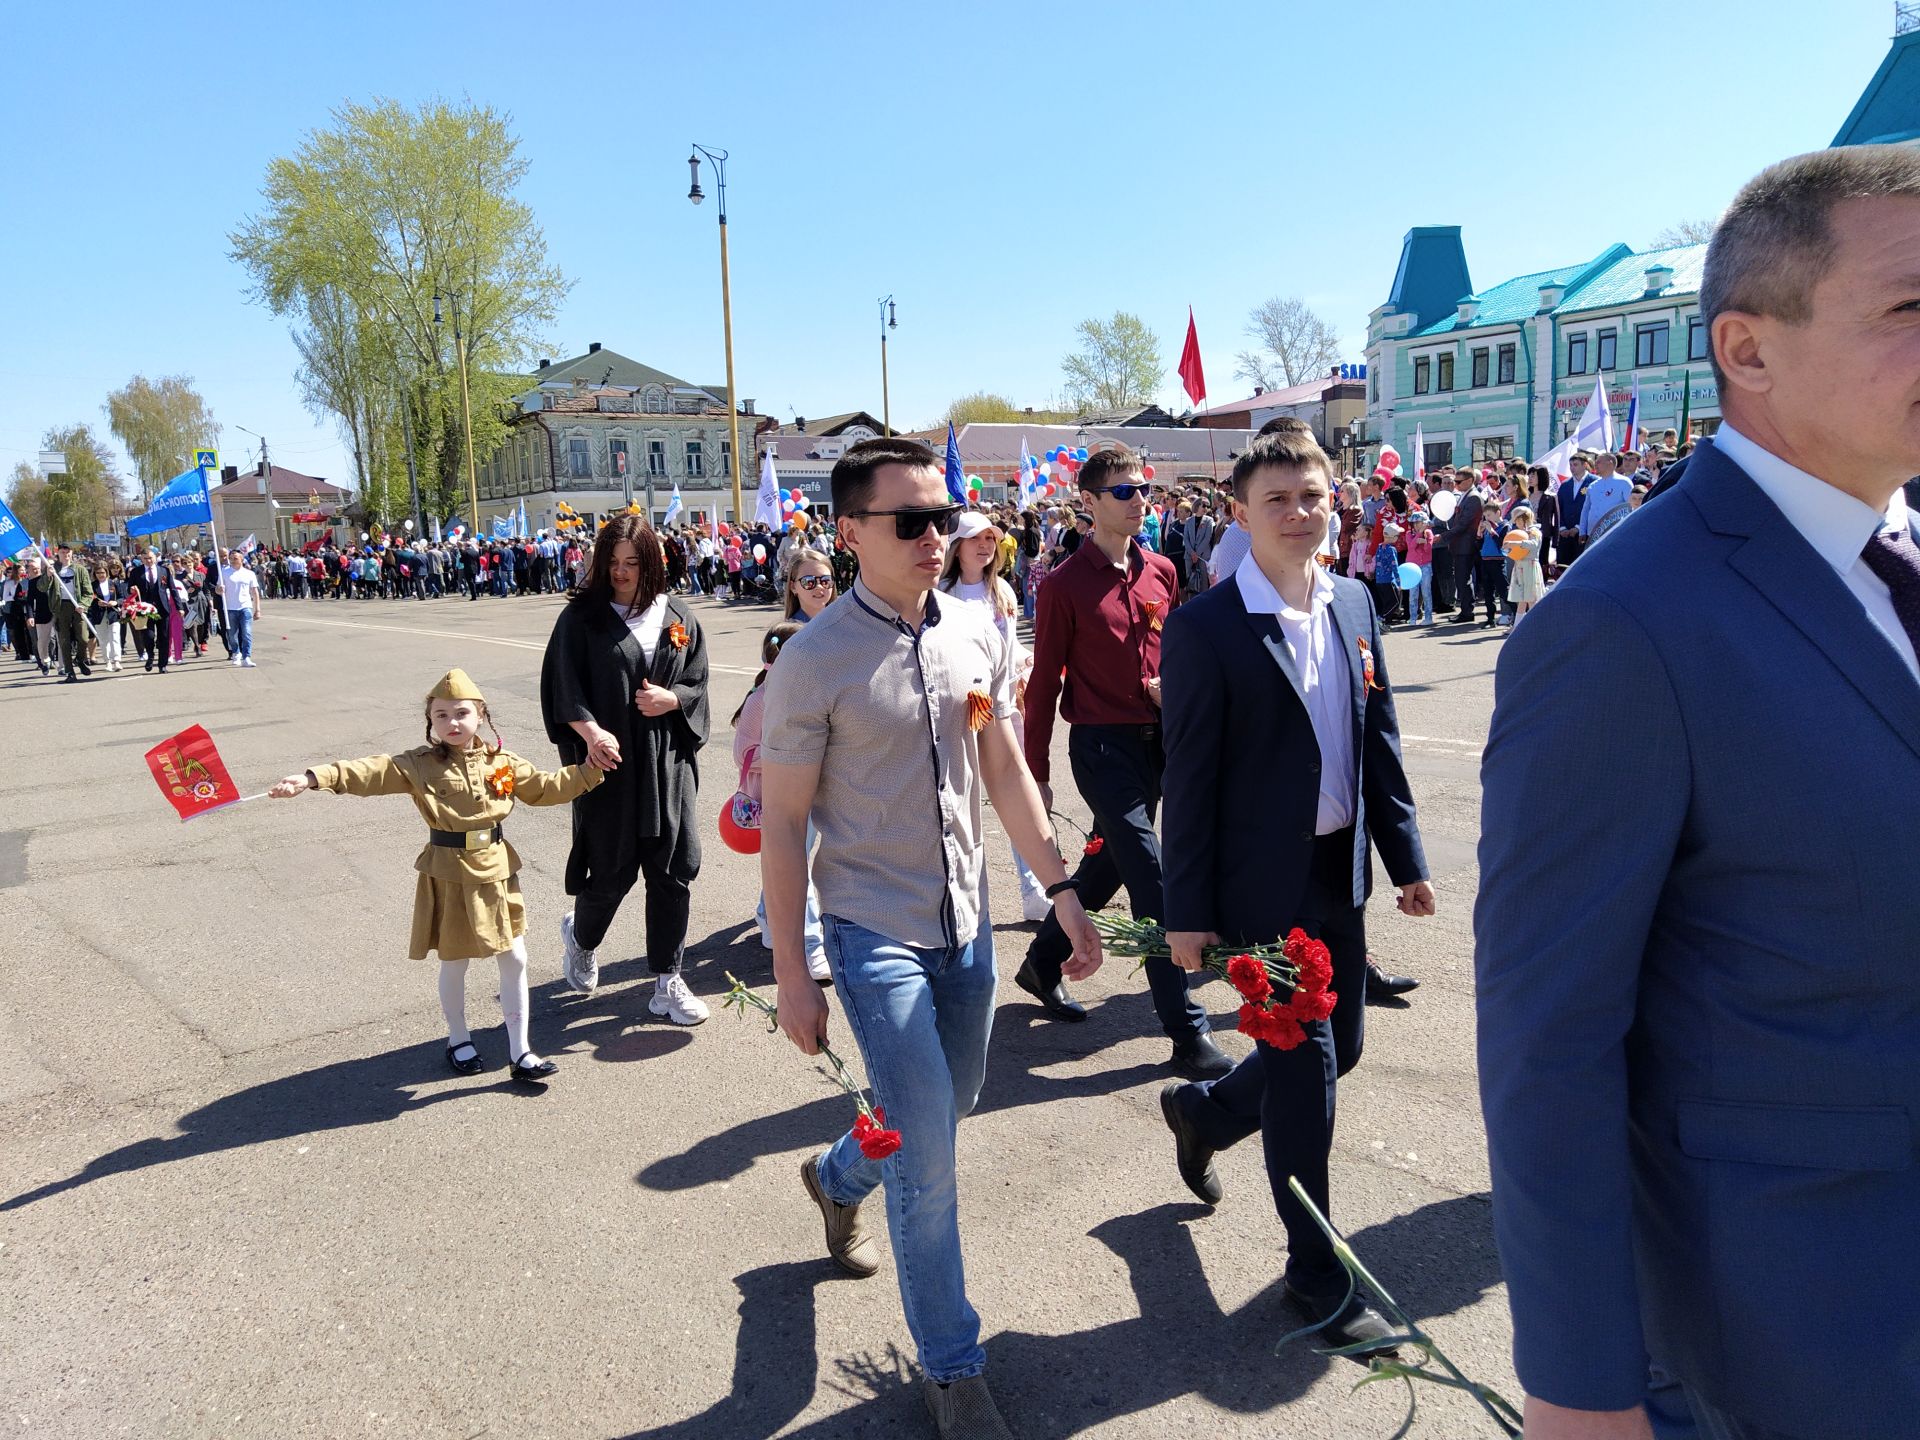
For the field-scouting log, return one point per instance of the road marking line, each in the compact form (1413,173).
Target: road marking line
(1474,745)
(539,645)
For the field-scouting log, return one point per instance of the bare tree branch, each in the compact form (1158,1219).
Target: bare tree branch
(1297,345)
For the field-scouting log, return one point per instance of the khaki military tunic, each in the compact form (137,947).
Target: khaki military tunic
(467,902)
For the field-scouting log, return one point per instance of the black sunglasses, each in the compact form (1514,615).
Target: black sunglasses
(1122,492)
(912,524)
(813,582)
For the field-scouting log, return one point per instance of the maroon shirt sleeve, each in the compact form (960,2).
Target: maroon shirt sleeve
(1052,636)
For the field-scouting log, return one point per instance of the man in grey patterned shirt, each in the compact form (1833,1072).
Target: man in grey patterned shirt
(888,719)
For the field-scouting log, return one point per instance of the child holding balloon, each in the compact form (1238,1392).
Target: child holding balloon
(1420,556)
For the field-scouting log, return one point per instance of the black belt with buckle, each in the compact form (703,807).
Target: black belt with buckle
(467,839)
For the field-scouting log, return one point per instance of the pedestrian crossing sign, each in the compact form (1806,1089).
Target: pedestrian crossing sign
(207,460)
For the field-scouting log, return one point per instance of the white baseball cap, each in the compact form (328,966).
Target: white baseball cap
(973,523)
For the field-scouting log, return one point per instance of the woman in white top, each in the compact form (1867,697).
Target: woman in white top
(972,575)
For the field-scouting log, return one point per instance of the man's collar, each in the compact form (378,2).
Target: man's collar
(1260,597)
(882,611)
(1837,525)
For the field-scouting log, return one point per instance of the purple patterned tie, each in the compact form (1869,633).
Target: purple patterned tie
(1894,557)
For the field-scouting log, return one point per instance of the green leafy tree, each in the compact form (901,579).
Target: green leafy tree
(160,423)
(360,229)
(1117,365)
(80,499)
(27,498)
(983,407)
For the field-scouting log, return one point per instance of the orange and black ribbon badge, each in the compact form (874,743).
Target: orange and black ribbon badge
(677,635)
(1366,665)
(1152,608)
(501,781)
(979,710)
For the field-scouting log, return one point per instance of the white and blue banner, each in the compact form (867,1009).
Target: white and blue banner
(502,527)
(674,506)
(183,502)
(14,537)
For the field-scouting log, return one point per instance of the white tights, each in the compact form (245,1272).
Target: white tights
(513,999)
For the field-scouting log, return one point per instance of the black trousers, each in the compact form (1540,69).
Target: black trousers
(1465,573)
(1288,1095)
(663,869)
(1492,585)
(1442,578)
(1118,770)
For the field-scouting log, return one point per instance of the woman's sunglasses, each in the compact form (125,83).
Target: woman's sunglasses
(1123,492)
(814,582)
(912,524)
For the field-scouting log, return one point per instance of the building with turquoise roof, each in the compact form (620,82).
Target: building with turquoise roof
(1506,371)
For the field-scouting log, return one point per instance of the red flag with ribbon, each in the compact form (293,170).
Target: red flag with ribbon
(190,773)
(1192,378)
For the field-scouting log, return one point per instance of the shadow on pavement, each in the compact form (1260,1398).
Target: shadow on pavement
(1179,1343)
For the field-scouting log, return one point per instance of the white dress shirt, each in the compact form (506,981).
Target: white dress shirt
(1834,523)
(646,626)
(1321,661)
(1231,547)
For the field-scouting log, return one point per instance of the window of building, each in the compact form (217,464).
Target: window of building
(726,459)
(1650,344)
(696,459)
(654,402)
(617,457)
(1479,376)
(1506,364)
(1609,348)
(1492,447)
(1446,371)
(656,457)
(1576,354)
(1696,338)
(579,460)
(1437,453)
(1373,386)
(1422,375)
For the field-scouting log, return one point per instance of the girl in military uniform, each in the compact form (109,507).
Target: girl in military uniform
(467,902)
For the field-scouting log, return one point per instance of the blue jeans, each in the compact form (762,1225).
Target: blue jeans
(1420,602)
(921,1019)
(815,936)
(241,621)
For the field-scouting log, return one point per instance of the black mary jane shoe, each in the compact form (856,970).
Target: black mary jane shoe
(472,1065)
(539,1070)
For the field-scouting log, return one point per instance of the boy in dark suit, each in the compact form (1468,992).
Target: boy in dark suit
(1283,761)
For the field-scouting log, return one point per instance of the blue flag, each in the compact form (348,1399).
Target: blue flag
(956,477)
(502,527)
(182,502)
(13,535)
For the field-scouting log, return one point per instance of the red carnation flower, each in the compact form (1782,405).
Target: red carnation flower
(1095,845)
(876,1142)
(1249,977)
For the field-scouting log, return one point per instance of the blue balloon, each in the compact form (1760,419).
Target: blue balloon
(1081,453)
(1409,577)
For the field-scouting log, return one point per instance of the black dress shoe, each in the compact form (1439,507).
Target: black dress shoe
(472,1065)
(538,1070)
(1194,1158)
(1053,999)
(1201,1059)
(1357,1323)
(1382,986)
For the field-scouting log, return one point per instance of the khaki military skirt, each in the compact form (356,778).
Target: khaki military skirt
(466,922)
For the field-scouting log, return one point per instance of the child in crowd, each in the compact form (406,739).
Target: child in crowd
(1522,547)
(1386,575)
(746,754)
(1420,553)
(466,903)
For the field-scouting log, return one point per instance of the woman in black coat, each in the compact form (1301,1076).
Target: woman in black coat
(625,680)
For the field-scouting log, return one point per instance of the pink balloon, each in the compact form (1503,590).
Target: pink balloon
(1146,472)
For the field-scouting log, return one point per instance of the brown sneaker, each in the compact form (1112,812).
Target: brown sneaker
(848,1243)
(965,1410)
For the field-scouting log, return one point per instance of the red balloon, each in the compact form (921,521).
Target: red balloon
(1146,472)
(734,837)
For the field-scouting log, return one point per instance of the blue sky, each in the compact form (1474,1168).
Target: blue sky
(1004,170)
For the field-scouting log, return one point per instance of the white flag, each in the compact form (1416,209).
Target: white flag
(1595,430)
(249,545)
(673,506)
(1419,453)
(1029,475)
(767,505)
(1559,460)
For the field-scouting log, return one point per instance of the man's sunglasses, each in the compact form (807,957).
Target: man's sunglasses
(912,524)
(1122,492)
(814,582)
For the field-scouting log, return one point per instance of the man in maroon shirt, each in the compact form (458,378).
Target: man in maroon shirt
(1097,624)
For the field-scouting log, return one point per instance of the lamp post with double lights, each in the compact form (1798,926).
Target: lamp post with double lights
(718,159)
(466,402)
(887,322)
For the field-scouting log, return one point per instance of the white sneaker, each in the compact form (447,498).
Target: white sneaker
(818,968)
(672,999)
(1035,905)
(248,663)
(577,963)
(766,938)
(236,662)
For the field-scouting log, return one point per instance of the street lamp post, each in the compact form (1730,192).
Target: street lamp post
(718,159)
(1353,446)
(887,322)
(466,403)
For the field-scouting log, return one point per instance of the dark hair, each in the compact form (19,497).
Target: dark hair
(854,472)
(1289,448)
(1286,425)
(1775,242)
(1108,460)
(778,634)
(646,546)
(1539,475)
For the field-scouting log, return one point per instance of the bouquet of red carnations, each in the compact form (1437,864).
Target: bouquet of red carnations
(137,612)
(1283,988)
(870,1121)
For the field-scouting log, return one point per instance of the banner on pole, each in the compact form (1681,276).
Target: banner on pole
(189,772)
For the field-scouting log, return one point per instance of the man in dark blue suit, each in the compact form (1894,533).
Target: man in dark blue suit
(153,583)
(1701,1066)
(1283,760)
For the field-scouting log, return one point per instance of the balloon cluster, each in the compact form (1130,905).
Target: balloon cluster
(1061,469)
(792,502)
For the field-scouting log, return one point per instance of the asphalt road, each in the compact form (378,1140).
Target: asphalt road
(241,1195)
